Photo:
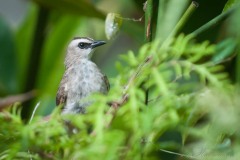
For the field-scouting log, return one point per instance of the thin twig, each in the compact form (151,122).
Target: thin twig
(115,105)
(9,100)
(179,154)
(225,60)
(149,8)
(30,122)
(135,75)
(132,19)
(35,109)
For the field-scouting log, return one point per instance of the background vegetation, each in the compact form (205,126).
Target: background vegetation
(175,86)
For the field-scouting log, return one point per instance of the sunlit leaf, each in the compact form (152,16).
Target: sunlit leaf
(224,49)
(230,4)
(113,24)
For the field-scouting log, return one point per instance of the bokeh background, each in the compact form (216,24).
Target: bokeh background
(34,36)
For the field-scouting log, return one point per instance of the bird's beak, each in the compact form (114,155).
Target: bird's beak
(97,43)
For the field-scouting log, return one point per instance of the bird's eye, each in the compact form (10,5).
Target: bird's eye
(83,45)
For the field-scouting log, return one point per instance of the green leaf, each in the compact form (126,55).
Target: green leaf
(224,49)
(160,82)
(230,4)
(168,16)
(23,40)
(113,24)
(79,7)
(7,60)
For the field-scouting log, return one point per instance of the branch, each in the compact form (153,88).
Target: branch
(116,105)
(7,101)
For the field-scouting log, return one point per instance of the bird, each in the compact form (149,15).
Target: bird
(81,78)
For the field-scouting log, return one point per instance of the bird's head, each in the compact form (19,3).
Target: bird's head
(81,48)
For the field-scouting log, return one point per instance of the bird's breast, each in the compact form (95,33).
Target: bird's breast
(84,79)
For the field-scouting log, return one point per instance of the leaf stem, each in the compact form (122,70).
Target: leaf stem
(183,19)
(148,20)
(181,23)
(213,22)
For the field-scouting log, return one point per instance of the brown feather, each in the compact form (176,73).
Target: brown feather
(61,97)
(105,79)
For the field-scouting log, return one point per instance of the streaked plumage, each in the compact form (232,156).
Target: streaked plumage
(82,77)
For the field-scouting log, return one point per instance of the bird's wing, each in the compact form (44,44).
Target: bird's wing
(61,97)
(105,79)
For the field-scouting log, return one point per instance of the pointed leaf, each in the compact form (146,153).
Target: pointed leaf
(7,60)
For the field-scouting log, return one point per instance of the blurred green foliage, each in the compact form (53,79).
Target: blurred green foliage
(7,56)
(192,108)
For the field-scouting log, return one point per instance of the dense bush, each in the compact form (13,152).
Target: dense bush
(173,98)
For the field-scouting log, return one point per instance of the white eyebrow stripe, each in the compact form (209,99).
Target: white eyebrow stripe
(83,40)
